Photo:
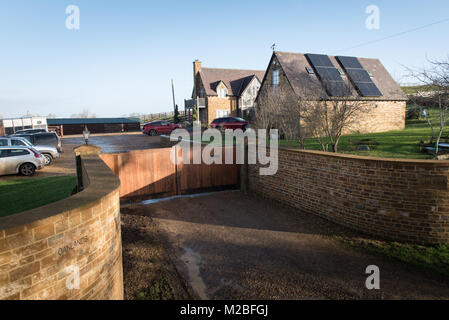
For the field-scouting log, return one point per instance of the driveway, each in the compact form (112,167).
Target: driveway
(234,246)
(109,143)
(112,143)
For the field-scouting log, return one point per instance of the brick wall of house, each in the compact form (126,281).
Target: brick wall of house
(215,103)
(405,200)
(37,246)
(381,116)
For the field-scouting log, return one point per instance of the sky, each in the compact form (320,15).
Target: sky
(125,53)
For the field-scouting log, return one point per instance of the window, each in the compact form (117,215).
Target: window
(202,93)
(45,139)
(275,79)
(16,142)
(17,152)
(3,153)
(309,70)
(222,113)
(222,92)
(3,142)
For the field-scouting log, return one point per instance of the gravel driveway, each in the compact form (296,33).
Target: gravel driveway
(233,246)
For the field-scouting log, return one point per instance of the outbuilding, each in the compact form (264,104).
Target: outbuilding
(73,126)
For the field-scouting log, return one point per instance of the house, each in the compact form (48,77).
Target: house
(72,126)
(337,78)
(219,93)
(10,126)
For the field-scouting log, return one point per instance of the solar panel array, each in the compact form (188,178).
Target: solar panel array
(359,77)
(329,75)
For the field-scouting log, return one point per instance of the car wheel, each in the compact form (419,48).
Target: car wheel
(27,169)
(48,159)
(153,133)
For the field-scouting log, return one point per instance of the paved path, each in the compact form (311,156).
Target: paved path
(232,246)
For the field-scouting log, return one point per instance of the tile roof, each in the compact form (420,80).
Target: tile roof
(235,80)
(294,66)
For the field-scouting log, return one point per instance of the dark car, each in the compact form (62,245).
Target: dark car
(230,123)
(43,139)
(160,127)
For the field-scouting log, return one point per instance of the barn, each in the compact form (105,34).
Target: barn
(73,126)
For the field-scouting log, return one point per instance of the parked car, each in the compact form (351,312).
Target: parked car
(30,131)
(160,127)
(42,139)
(20,160)
(229,123)
(50,153)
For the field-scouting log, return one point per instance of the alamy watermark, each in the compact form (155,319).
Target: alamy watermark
(373,280)
(72,21)
(372,22)
(212,152)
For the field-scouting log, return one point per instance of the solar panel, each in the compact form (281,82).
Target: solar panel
(349,62)
(337,88)
(359,77)
(368,89)
(319,60)
(329,75)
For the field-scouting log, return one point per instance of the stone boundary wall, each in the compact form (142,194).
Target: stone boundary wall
(42,249)
(404,200)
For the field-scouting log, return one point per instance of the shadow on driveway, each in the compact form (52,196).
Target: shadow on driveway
(234,246)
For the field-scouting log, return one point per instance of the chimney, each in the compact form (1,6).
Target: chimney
(196,69)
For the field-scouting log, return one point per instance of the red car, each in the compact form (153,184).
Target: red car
(230,123)
(160,127)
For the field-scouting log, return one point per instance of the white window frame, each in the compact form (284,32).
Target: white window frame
(275,77)
(222,113)
(222,92)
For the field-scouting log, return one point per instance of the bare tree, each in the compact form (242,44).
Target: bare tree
(84,114)
(278,108)
(435,90)
(328,118)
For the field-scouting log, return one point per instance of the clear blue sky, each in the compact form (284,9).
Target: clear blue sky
(125,53)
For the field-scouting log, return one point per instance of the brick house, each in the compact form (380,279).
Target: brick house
(219,93)
(360,79)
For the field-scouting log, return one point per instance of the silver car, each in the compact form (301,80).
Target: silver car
(50,153)
(20,160)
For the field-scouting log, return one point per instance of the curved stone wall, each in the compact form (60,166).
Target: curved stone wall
(405,200)
(45,251)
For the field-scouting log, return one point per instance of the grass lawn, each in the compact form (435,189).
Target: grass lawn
(430,258)
(392,144)
(21,195)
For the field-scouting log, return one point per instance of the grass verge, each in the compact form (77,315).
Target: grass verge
(430,258)
(21,195)
(402,144)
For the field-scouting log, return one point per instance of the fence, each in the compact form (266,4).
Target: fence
(147,174)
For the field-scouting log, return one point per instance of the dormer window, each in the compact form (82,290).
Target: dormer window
(275,79)
(222,92)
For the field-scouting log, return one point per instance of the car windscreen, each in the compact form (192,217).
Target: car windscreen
(45,140)
(18,142)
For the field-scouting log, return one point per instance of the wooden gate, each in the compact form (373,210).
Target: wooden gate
(148,174)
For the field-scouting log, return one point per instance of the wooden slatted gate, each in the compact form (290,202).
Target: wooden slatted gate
(149,174)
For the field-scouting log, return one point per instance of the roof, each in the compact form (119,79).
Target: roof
(235,80)
(53,122)
(294,66)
